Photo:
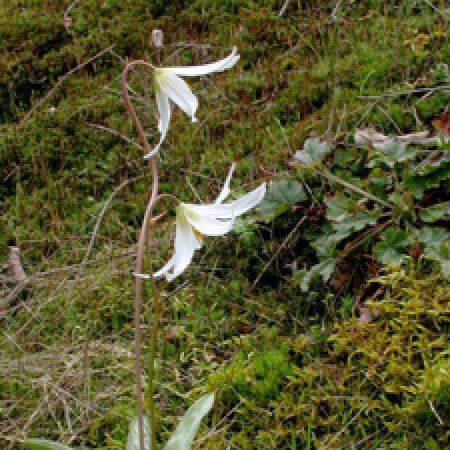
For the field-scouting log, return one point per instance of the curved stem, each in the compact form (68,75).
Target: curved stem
(140,248)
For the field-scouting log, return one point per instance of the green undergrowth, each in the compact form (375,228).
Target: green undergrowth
(340,339)
(392,376)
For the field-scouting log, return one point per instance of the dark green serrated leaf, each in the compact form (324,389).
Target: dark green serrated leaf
(436,212)
(312,153)
(391,152)
(431,177)
(442,255)
(304,277)
(356,222)
(339,207)
(432,236)
(393,246)
(281,195)
(325,245)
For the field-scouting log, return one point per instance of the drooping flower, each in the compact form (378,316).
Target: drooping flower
(169,87)
(195,221)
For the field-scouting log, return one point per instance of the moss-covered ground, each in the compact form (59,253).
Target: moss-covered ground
(291,369)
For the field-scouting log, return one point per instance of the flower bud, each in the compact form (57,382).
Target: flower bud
(157,38)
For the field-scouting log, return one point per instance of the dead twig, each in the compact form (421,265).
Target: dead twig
(283,8)
(445,87)
(348,424)
(283,244)
(60,81)
(116,133)
(99,219)
(436,10)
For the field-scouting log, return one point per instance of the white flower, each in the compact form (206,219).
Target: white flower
(170,87)
(195,221)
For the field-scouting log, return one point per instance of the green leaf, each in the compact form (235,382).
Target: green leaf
(432,236)
(313,152)
(304,277)
(430,177)
(391,152)
(339,206)
(245,229)
(325,245)
(43,444)
(184,434)
(133,434)
(393,246)
(442,255)
(356,222)
(281,195)
(402,202)
(437,245)
(436,212)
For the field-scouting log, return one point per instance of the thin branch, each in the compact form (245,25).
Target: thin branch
(193,190)
(348,424)
(445,87)
(438,11)
(283,244)
(109,130)
(60,81)
(426,161)
(348,185)
(10,174)
(390,119)
(283,8)
(433,409)
(336,9)
(99,219)
(67,11)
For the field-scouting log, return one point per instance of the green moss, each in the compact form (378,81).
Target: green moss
(296,365)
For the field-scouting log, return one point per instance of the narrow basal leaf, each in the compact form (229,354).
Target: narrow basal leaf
(133,434)
(43,444)
(186,430)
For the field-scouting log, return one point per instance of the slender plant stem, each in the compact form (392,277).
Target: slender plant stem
(137,298)
(151,371)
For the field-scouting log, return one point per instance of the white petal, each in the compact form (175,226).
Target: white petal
(212,211)
(205,69)
(225,192)
(168,266)
(178,91)
(248,201)
(209,226)
(227,210)
(185,245)
(164,110)
(163,104)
